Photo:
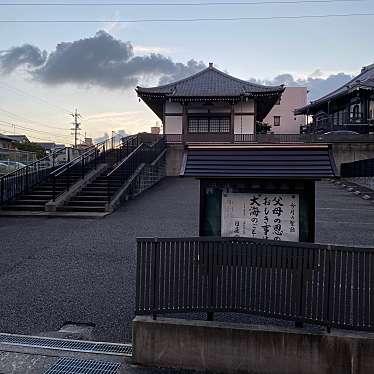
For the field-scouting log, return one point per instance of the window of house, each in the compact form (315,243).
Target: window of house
(209,125)
(356,111)
(277,120)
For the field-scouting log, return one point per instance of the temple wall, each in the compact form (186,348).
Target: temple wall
(244,119)
(173,121)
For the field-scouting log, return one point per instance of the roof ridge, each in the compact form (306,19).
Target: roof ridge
(242,80)
(207,70)
(180,81)
(349,83)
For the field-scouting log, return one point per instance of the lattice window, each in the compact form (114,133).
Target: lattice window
(209,124)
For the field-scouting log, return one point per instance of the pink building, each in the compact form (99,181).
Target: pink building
(282,118)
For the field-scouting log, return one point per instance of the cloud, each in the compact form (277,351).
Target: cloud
(316,84)
(119,134)
(25,55)
(101,60)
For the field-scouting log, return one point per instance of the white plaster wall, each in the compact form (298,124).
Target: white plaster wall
(292,98)
(173,125)
(245,107)
(173,108)
(371,108)
(244,124)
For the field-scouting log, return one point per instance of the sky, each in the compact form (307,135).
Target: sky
(47,70)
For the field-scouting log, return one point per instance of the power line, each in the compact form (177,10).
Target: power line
(30,120)
(13,125)
(22,92)
(198,19)
(214,3)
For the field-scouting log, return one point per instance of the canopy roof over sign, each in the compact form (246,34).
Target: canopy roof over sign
(365,80)
(259,161)
(211,84)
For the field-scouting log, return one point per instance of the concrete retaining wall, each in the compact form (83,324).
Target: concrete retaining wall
(236,348)
(349,152)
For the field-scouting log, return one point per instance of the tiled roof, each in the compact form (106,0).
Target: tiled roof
(210,82)
(259,162)
(365,79)
(5,137)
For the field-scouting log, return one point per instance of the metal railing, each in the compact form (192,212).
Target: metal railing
(285,138)
(143,153)
(362,168)
(16,155)
(20,181)
(78,168)
(301,282)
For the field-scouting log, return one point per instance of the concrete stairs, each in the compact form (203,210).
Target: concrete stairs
(39,195)
(93,197)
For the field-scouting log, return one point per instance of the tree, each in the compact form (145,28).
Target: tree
(32,147)
(262,128)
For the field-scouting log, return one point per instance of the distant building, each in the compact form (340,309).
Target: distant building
(51,147)
(350,107)
(20,138)
(210,106)
(155,130)
(282,118)
(6,142)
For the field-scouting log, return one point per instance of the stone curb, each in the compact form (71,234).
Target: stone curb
(351,187)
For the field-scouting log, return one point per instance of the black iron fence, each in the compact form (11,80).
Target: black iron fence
(143,153)
(21,180)
(320,284)
(362,168)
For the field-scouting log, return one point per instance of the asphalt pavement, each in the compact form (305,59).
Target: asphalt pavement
(55,270)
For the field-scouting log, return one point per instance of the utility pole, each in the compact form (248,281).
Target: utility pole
(76,127)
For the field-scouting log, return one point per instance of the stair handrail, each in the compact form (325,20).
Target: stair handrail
(91,156)
(19,181)
(143,153)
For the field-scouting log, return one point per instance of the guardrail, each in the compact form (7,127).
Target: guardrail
(301,282)
(21,180)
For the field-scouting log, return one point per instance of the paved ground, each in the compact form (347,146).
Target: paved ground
(54,270)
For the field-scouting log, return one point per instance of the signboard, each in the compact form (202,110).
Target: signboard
(259,215)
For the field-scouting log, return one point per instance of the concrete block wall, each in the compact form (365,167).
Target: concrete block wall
(236,348)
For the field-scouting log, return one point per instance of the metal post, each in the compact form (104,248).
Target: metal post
(2,191)
(154,257)
(27,178)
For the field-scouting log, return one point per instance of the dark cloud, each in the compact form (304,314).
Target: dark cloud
(26,55)
(100,60)
(316,85)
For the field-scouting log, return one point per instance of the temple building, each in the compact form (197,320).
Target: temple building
(210,106)
(350,107)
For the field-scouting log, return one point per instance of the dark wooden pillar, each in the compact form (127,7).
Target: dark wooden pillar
(184,123)
(232,122)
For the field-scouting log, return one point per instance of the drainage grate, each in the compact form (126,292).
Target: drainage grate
(68,345)
(74,366)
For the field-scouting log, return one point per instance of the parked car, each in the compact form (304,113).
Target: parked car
(340,132)
(9,166)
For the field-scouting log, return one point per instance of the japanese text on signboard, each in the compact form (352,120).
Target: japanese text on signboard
(263,216)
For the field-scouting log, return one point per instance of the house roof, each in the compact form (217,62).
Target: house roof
(276,161)
(19,138)
(210,82)
(7,138)
(364,80)
(213,85)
